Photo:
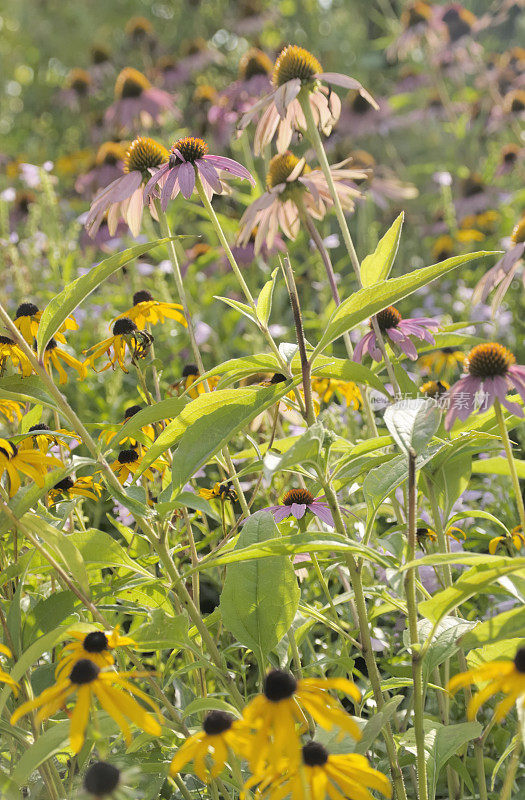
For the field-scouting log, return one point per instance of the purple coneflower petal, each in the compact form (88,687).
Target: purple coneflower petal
(187,179)
(229,165)
(279,512)
(168,190)
(154,180)
(462,399)
(209,173)
(298,510)
(347,83)
(321,511)
(362,347)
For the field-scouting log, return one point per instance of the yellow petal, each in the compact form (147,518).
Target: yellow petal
(79,718)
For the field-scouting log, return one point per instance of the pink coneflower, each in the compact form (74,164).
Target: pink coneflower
(107,167)
(294,71)
(188,157)
(137,101)
(398,330)
(124,198)
(503,271)
(297,502)
(491,372)
(79,86)
(291,188)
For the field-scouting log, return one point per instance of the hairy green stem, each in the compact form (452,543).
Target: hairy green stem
(512,466)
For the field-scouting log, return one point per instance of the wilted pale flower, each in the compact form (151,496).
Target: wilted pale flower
(297,70)
(503,271)
(124,197)
(291,187)
(107,167)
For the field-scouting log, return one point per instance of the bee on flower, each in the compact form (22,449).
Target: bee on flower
(15,461)
(86,681)
(425,535)
(126,338)
(434,389)
(298,71)
(219,491)
(146,310)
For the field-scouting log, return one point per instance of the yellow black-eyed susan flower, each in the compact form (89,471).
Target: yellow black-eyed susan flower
(126,335)
(32,463)
(326,388)
(439,362)
(147,310)
(127,464)
(425,535)
(220,733)
(101,779)
(85,680)
(220,491)
(110,433)
(507,677)
(43,438)
(11,352)
(68,488)
(190,374)
(274,714)
(95,646)
(11,410)
(323,775)
(4,677)
(27,319)
(54,355)
(515,539)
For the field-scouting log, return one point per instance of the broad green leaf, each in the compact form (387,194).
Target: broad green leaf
(309,542)
(99,549)
(64,303)
(29,390)
(368,301)
(207,423)
(498,465)
(166,409)
(259,599)
(509,625)
(472,582)
(264,301)
(376,266)
(62,548)
(208,704)
(412,423)
(161,632)
(450,480)
(444,642)
(343,369)
(306,448)
(238,306)
(376,723)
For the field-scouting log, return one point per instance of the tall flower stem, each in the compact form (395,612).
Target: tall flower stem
(510,775)
(512,466)
(366,641)
(166,232)
(306,368)
(325,257)
(417,662)
(317,143)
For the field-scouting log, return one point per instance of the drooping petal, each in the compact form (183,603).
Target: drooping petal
(187,179)
(337,79)
(298,510)
(229,165)
(323,512)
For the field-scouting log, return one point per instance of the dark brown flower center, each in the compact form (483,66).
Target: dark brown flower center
(279,685)
(190,147)
(99,54)
(142,297)
(26,310)
(127,456)
(101,779)
(131,411)
(458,22)
(519,660)
(139,27)
(144,153)
(314,754)
(416,14)
(388,318)
(110,153)
(190,370)
(130,83)
(281,167)
(295,62)
(37,428)
(96,642)
(64,485)
(489,360)
(84,671)
(51,345)
(254,62)
(10,451)
(298,496)
(278,377)
(79,80)
(514,101)
(217,722)
(123,327)
(6,340)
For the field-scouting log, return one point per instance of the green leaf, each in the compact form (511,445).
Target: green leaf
(412,423)
(161,632)
(62,548)
(306,448)
(264,302)
(259,599)
(64,303)
(28,389)
(100,549)
(376,266)
(376,723)
(498,465)
(368,301)
(238,306)
(208,704)
(509,625)
(472,582)
(166,409)
(207,423)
